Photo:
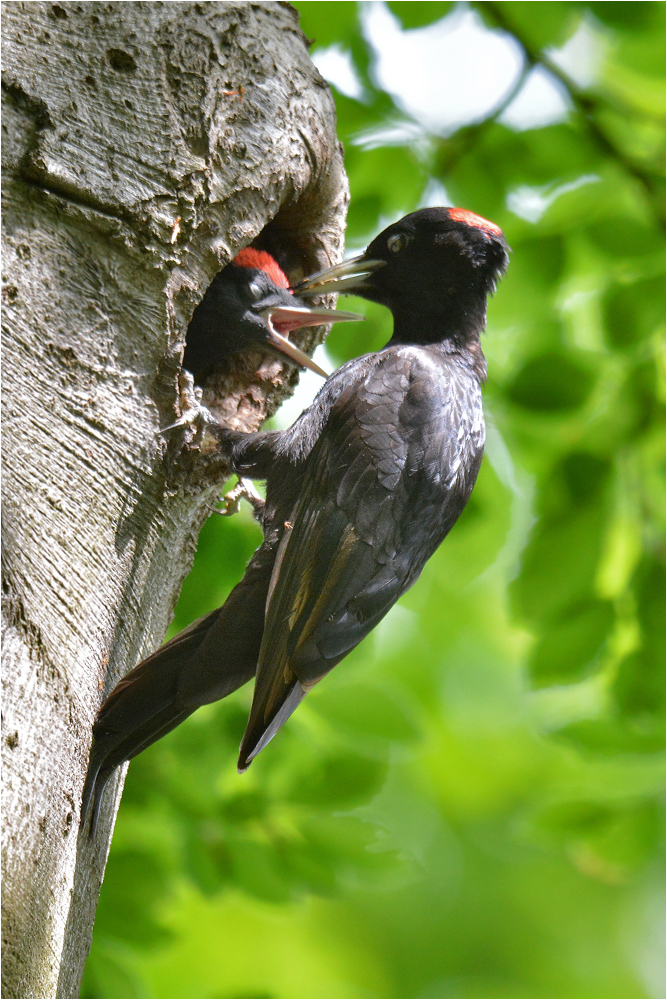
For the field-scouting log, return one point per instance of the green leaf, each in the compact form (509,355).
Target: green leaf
(559,563)
(583,475)
(341,782)
(417,14)
(624,235)
(122,909)
(568,649)
(609,840)
(369,712)
(551,383)
(613,736)
(541,25)
(403,183)
(258,869)
(639,688)
(642,13)
(324,26)
(632,312)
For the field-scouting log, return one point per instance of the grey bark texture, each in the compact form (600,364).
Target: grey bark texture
(144,144)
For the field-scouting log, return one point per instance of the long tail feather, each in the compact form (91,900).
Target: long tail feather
(260,732)
(206,662)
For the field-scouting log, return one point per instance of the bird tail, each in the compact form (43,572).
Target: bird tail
(143,707)
(207,661)
(270,710)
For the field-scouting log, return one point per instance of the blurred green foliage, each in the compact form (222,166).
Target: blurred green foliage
(468,806)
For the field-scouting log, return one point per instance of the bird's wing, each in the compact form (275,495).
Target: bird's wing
(372,508)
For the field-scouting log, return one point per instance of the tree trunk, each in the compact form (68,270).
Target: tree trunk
(143,145)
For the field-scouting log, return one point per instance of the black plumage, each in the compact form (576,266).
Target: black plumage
(361,490)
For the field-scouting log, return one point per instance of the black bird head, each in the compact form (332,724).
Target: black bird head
(249,306)
(434,269)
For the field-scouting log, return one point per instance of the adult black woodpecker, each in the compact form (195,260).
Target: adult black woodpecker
(360,491)
(247,306)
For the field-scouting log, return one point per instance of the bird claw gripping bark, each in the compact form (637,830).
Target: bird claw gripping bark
(244,490)
(193,412)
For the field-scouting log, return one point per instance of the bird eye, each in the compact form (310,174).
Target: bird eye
(398,242)
(256,290)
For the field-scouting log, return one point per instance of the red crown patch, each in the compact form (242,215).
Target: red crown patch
(263,261)
(470,219)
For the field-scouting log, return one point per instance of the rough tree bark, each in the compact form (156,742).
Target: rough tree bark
(143,145)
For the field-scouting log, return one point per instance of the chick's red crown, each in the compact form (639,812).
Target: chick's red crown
(262,261)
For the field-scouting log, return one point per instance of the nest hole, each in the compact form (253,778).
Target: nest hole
(293,242)
(247,384)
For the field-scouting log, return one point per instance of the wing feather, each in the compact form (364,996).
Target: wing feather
(372,508)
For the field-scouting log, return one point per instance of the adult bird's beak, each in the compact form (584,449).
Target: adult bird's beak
(281,320)
(345,277)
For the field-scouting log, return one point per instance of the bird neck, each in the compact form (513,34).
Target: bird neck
(455,332)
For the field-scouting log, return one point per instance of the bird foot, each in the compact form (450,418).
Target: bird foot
(244,490)
(193,412)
